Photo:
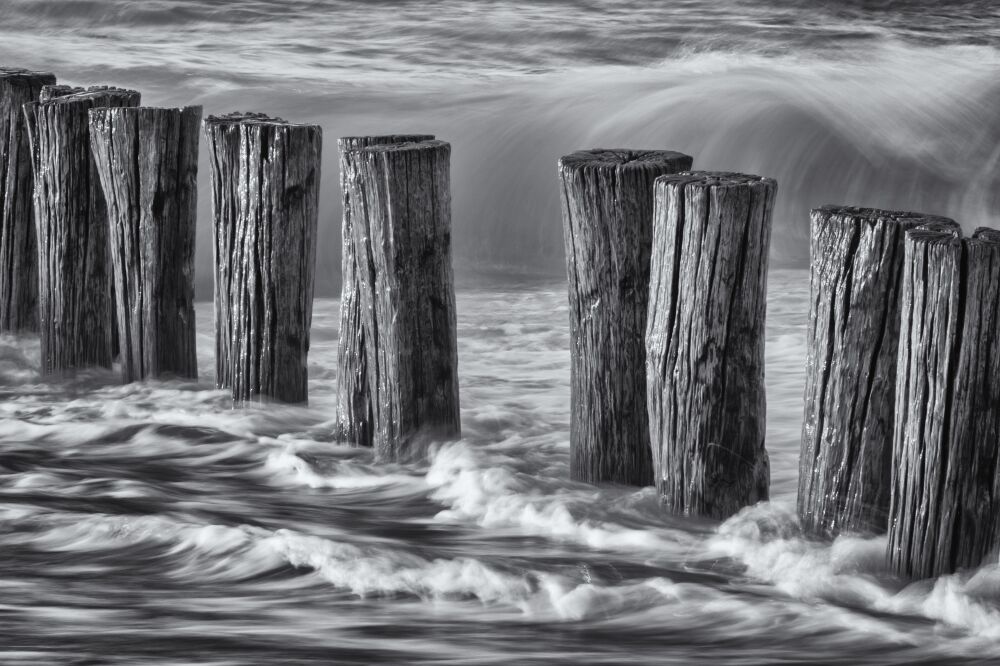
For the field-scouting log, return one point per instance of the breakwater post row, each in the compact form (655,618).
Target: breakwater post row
(667,276)
(902,402)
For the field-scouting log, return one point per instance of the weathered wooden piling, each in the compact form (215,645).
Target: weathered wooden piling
(705,341)
(946,450)
(265,196)
(607,212)
(398,200)
(75,316)
(354,406)
(851,343)
(18,247)
(147,159)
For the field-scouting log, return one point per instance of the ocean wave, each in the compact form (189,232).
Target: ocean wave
(852,572)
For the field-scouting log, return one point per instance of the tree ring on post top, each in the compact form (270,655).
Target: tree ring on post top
(346,143)
(623,158)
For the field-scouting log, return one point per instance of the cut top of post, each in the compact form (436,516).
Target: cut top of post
(950,233)
(27,76)
(395,148)
(252,118)
(714,179)
(108,111)
(346,143)
(623,159)
(95,96)
(855,216)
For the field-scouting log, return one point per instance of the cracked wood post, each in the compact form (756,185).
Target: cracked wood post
(76,320)
(945,481)
(399,199)
(705,341)
(851,342)
(265,195)
(354,405)
(147,159)
(18,247)
(607,212)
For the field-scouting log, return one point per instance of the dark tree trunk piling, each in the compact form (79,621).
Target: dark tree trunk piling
(75,316)
(18,246)
(945,481)
(265,195)
(399,210)
(607,211)
(705,341)
(353,396)
(852,338)
(147,160)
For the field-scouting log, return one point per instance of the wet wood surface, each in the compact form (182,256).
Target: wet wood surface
(398,198)
(76,320)
(265,175)
(607,212)
(851,341)
(18,245)
(945,482)
(354,397)
(147,159)
(705,341)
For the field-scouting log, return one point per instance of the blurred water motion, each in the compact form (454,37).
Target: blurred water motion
(152,523)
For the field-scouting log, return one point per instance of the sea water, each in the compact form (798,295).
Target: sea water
(153,523)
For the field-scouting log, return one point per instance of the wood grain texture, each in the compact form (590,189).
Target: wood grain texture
(851,341)
(399,196)
(18,246)
(945,482)
(354,407)
(607,212)
(147,159)
(74,299)
(265,176)
(705,341)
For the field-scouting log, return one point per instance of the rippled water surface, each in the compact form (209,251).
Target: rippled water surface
(152,523)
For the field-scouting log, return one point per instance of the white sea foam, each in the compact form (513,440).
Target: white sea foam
(489,493)
(852,571)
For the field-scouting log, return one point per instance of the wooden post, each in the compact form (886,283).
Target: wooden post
(147,160)
(265,197)
(705,341)
(945,481)
(75,316)
(354,406)
(399,202)
(607,212)
(18,247)
(851,341)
